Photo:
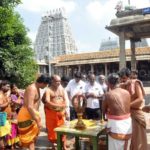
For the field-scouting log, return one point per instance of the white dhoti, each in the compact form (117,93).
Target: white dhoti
(120,130)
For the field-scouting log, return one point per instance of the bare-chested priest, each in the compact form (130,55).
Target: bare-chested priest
(55,108)
(29,121)
(137,93)
(116,105)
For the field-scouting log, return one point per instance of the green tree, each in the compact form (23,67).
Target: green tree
(16,55)
(9,3)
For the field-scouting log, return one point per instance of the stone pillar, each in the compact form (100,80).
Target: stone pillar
(105,69)
(133,57)
(67,70)
(92,68)
(71,72)
(64,71)
(61,71)
(79,68)
(57,70)
(52,69)
(122,55)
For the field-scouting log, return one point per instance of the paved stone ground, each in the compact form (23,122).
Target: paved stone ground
(43,144)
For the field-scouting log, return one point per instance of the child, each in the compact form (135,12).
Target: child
(13,139)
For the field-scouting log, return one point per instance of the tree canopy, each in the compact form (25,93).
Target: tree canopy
(9,3)
(16,55)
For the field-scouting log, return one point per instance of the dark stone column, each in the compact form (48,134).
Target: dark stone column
(122,55)
(133,55)
(106,72)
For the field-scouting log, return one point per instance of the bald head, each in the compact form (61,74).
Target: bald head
(55,77)
(101,79)
(92,78)
(56,80)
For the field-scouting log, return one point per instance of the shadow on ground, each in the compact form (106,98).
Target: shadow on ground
(42,143)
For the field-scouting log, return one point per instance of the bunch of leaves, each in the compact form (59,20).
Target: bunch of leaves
(16,55)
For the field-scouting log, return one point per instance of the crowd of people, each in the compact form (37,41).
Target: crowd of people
(11,100)
(118,98)
(19,117)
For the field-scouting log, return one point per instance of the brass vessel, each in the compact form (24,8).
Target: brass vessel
(80,124)
(79,103)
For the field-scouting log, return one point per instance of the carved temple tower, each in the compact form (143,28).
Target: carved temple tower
(54,37)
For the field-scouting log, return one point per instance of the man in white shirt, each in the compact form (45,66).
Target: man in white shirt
(93,92)
(74,88)
(102,82)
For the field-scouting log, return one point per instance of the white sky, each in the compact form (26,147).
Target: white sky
(87,18)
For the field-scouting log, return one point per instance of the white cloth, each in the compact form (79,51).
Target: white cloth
(104,87)
(95,89)
(121,127)
(73,88)
(117,144)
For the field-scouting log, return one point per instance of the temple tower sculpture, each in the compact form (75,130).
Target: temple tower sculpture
(54,37)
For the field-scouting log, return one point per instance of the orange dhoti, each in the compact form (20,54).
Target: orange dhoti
(28,129)
(53,119)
